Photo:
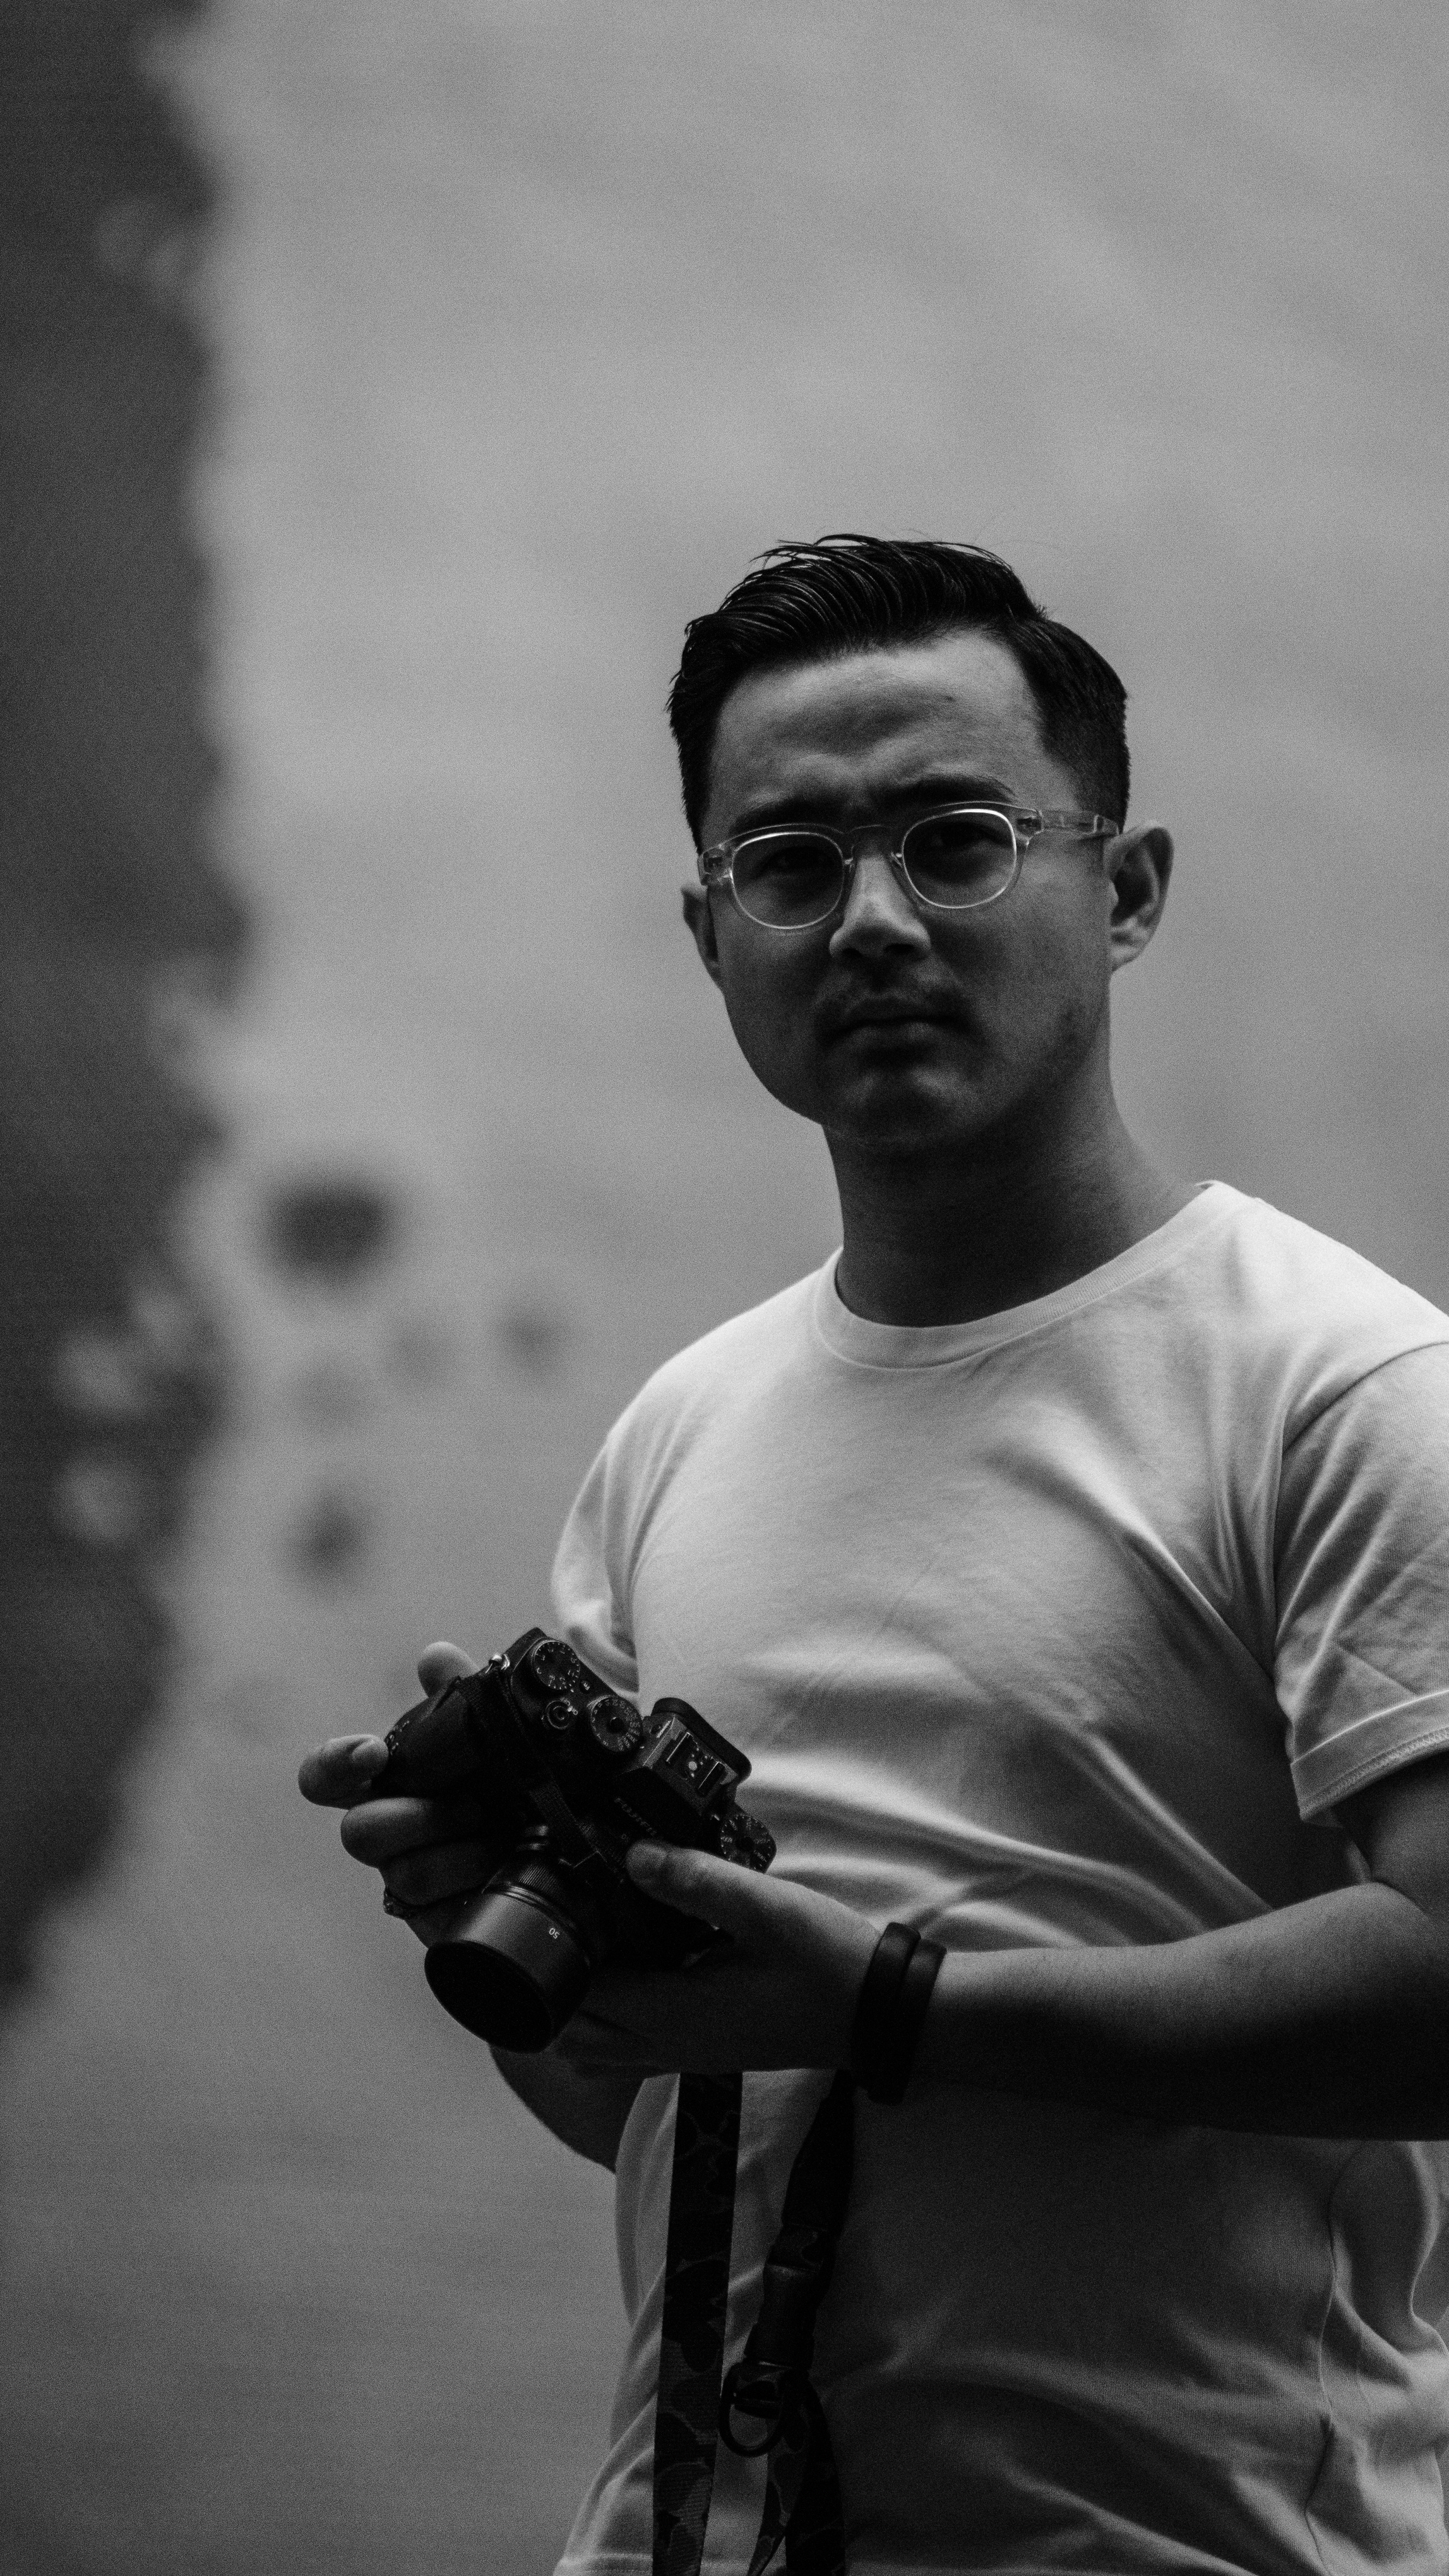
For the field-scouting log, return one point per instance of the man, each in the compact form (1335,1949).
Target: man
(1070,1558)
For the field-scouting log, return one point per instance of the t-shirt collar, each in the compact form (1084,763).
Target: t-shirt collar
(871,1345)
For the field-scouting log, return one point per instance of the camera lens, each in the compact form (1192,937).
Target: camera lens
(518,1960)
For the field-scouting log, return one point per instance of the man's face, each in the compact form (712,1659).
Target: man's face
(898,1029)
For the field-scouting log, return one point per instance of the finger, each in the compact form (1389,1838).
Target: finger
(442,1663)
(383,1829)
(732,1899)
(447,1871)
(430,1922)
(337,1773)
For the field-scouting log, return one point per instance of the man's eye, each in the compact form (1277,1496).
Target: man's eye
(960,857)
(800,855)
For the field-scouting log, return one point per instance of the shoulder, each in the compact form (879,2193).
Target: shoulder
(736,1363)
(1308,1312)
(696,1398)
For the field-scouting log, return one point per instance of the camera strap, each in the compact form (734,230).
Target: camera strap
(692,2330)
(769,2388)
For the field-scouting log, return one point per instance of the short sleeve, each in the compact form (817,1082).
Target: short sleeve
(1362,1579)
(590,1581)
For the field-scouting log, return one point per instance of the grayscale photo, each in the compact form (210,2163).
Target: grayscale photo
(725,1241)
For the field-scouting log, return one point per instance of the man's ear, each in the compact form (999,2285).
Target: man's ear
(1139,868)
(701,927)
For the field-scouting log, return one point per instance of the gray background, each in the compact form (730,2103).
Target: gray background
(519,328)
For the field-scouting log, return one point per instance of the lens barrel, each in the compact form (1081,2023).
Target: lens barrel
(517,1962)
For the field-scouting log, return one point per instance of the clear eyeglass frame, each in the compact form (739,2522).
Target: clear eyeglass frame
(1025,823)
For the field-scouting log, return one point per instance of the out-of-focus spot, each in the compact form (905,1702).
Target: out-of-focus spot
(104,1501)
(182,995)
(103,1373)
(332,1231)
(330,1395)
(534,1334)
(168,1324)
(420,1352)
(330,1540)
(138,238)
(137,1370)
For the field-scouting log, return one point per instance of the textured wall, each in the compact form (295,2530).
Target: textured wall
(531,322)
(114,918)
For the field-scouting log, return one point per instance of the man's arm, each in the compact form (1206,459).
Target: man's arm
(583,2108)
(1327,2018)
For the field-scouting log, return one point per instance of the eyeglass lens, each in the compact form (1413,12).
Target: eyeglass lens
(788,880)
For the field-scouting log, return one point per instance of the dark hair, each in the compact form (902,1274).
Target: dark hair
(852,594)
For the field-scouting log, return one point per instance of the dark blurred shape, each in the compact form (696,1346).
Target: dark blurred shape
(107,894)
(534,1335)
(332,1231)
(329,1544)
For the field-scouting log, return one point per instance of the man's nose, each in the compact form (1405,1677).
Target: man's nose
(879,914)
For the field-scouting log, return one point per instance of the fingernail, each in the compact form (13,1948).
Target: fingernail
(646,1860)
(369,1755)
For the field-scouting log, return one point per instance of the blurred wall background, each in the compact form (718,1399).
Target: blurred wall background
(511,330)
(113,914)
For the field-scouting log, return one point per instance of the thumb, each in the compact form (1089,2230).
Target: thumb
(731,1898)
(443,1663)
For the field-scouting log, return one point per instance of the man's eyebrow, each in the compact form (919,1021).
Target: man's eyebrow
(950,787)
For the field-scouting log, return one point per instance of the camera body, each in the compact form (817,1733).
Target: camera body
(574,1775)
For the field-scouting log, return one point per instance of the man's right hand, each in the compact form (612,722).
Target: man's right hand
(430,1851)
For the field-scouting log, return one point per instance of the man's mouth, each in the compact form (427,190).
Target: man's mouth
(882,1014)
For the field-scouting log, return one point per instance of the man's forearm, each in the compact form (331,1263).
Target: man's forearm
(585,2111)
(1329,2018)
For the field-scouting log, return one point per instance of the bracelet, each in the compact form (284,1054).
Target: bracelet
(876,2002)
(891,2010)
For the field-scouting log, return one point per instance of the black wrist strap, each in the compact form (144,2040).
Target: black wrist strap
(876,2003)
(891,2010)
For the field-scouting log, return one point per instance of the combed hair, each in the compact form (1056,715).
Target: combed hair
(851,594)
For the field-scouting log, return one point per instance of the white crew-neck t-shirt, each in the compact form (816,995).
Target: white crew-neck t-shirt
(1067,1625)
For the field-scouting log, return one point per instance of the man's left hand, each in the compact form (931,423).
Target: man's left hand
(782,1994)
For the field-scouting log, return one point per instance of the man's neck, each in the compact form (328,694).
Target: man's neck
(945,1239)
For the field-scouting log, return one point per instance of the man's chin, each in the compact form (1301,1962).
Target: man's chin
(906,1110)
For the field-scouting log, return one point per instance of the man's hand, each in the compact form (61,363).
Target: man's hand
(1329,2017)
(782,1993)
(430,1851)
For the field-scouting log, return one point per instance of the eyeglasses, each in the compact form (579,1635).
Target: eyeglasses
(797,876)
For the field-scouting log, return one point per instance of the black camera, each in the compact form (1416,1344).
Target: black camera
(574,1775)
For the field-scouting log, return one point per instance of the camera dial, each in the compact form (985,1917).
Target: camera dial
(743,1838)
(555,1667)
(616,1727)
